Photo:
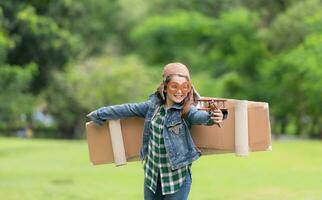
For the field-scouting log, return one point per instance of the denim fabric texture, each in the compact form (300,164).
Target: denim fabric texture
(177,138)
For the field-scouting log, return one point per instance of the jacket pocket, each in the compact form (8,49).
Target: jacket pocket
(175,127)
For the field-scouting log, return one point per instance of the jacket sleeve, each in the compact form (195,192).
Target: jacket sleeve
(200,117)
(102,114)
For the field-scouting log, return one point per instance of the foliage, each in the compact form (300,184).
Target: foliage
(217,46)
(174,36)
(95,83)
(93,22)
(291,77)
(290,28)
(292,83)
(16,103)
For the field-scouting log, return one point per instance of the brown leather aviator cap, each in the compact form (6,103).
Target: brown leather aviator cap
(175,68)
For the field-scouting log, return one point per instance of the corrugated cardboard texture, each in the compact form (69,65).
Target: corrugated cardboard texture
(209,139)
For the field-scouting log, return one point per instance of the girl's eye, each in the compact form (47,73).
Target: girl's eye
(185,87)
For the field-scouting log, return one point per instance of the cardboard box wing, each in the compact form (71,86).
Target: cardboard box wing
(246,129)
(100,142)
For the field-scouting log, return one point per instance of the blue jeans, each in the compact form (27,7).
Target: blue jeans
(182,194)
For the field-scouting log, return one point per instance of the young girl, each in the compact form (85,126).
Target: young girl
(167,148)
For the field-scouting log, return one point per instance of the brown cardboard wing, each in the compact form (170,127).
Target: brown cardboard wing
(212,139)
(100,144)
(249,131)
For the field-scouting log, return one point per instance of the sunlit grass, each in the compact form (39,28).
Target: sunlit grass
(60,169)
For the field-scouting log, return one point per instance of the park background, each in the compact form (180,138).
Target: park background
(61,59)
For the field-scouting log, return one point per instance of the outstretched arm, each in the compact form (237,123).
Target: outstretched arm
(200,117)
(102,114)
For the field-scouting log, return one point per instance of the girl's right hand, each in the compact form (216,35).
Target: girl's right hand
(217,116)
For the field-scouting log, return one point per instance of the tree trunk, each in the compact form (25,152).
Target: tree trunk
(313,129)
(80,126)
(299,125)
(283,126)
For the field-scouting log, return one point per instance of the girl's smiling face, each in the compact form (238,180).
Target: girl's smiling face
(177,90)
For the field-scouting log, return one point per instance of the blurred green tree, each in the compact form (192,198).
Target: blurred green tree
(291,27)
(95,83)
(182,36)
(229,44)
(293,84)
(94,22)
(291,77)
(36,39)
(16,103)
(5,41)
(53,33)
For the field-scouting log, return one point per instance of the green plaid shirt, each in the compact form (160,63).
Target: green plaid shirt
(157,160)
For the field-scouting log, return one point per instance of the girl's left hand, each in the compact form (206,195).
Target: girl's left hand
(217,116)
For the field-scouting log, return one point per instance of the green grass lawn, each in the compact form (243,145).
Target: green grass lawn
(59,169)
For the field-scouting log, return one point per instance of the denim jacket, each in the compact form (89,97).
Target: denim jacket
(176,132)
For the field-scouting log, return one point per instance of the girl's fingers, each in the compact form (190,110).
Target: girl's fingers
(218,114)
(217,119)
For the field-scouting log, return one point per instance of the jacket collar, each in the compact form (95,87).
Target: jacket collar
(177,106)
(156,100)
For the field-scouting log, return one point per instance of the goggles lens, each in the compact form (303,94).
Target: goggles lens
(174,87)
